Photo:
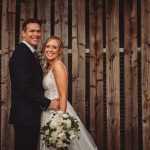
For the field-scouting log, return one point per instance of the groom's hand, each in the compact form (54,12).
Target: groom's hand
(54,104)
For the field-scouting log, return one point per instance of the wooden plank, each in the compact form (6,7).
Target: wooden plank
(5,92)
(22,16)
(92,68)
(65,30)
(81,59)
(131,85)
(99,76)
(75,63)
(26,11)
(11,24)
(11,47)
(29,8)
(47,25)
(58,18)
(112,78)
(61,25)
(44,14)
(41,8)
(145,28)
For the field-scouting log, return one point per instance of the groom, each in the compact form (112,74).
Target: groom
(27,93)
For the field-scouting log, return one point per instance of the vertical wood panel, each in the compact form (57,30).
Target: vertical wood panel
(22,16)
(11,47)
(131,86)
(30,8)
(99,76)
(96,72)
(65,30)
(44,14)
(112,74)
(145,9)
(92,67)
(41,12)
(58,18)
(5,93)
(75,73)
(82,51)
(61,25)
(26,11)
(47,20)
(11,23)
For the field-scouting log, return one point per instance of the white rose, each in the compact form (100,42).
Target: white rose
(53,124)
(58,120)
(59,143)
(54,135)
(46,132)
(65,116)
(60,112)
(68,123)
(51,140)
(72,136)
(59,128)
(62,136)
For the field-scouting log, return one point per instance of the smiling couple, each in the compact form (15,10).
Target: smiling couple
(37,89)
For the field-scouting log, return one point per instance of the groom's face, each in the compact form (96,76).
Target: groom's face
(32,34)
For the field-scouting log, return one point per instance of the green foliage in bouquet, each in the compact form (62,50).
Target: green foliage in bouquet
(60,130)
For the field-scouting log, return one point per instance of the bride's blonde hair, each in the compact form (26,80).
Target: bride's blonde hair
(44,62)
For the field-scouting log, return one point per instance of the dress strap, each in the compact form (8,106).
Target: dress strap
(52,67)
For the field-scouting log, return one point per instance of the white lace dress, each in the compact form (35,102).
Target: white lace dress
(85,141)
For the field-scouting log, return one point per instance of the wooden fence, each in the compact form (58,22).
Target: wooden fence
(107,51)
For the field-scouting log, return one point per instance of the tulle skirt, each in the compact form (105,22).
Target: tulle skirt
(84,142)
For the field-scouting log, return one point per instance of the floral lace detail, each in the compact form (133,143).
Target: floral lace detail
(50,86)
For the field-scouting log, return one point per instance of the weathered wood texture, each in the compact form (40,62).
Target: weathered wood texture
(145,28)
(103,15)
(45,16)
(7,44)
(75,55)
(131,86)
(96,71)
(112,74)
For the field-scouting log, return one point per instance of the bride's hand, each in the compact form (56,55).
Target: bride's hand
(54,104)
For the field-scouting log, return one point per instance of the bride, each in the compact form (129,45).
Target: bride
(55,84)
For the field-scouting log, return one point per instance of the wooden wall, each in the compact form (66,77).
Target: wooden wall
(107,52)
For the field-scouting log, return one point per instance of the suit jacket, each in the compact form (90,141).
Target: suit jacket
(27,94)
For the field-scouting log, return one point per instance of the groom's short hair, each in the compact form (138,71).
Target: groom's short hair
(30,20)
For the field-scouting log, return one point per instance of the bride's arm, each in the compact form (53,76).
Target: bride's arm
(61,78)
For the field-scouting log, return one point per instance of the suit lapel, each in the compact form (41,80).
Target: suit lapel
(36,61)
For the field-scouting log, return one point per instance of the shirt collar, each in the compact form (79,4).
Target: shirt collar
(29,46)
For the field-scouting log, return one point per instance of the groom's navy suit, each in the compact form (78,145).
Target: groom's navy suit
(27,93)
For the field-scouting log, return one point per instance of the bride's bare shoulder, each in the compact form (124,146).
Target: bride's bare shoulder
(59,67)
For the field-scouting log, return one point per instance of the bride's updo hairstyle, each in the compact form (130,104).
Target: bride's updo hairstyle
(45,64)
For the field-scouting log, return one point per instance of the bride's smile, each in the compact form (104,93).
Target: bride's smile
(52,50)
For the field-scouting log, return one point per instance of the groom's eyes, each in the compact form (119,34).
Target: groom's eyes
(37,31)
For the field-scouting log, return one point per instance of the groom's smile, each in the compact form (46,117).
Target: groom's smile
(32,34)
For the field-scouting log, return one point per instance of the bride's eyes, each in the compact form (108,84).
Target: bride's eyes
(52,46)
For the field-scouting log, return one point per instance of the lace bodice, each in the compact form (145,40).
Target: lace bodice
(50,87)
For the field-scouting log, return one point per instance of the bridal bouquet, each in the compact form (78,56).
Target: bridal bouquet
(59,130)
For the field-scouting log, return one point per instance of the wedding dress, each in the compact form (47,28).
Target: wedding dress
(85,142)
